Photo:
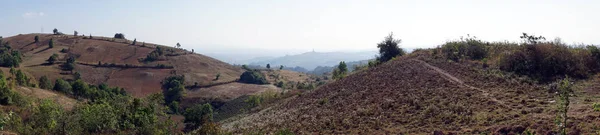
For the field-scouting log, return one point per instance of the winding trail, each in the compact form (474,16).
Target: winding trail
(452,78)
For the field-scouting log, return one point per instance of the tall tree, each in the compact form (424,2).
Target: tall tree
(268,66)
(36,38)
(178,45)
(55,31)
(389,48)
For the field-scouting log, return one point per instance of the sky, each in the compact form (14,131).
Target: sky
(281,27)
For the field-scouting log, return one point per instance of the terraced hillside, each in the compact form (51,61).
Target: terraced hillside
(117,62)
(420,94)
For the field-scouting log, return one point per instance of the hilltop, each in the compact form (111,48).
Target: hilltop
(428,92)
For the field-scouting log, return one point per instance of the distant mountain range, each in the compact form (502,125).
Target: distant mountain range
(312,60)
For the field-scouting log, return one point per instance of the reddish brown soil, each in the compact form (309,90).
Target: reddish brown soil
(416,95)
(137,81)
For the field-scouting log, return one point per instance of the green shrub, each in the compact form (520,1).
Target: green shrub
(548,61)
(173,89)
(470,47)
(253,77)
(596,107)
(45,83)
(198,115)
(62,86)
(52,58)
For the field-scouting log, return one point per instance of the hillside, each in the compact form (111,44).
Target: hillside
(139,78)
(420,94)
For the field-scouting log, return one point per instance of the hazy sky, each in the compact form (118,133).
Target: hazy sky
(323,25)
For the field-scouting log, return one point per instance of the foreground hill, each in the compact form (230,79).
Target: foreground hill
(123,62)
(419,94)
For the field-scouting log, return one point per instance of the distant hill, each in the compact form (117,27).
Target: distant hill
(312,60)
(328,69)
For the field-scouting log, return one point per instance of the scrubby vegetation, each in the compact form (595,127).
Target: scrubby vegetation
(253,77)
(106,111)
(155,55)
(541,60)
(9,57)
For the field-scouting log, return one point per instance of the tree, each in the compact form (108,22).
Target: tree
(75,33)
(268,66)
(178,45)
(45,83)
(36,38)
(198,115)
(5,92)
(281,67)
(70,64)
(173,89)
(52,58)
(51,43)
(22,79)
(341,71)
(80,88)
(62,86)
(389,48)
(253,77)
(119,36)
(55,31)
(134,41)
(90,36)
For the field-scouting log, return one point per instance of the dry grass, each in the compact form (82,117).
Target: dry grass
(406,96)
(138,82)
(66,102)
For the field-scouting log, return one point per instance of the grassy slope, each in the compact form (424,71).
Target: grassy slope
(407,96)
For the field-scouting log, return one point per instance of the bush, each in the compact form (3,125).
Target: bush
(596,107)
(173,89)
(389,48)
(45,83)
(253,77)
(51,43)
(471,48)
(36,39)
(62,86)
(52,58)
(548,61)
(21,78)
(119,36)
(198,115)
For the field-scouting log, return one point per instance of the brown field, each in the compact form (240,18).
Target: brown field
(137,81)
(418,94)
